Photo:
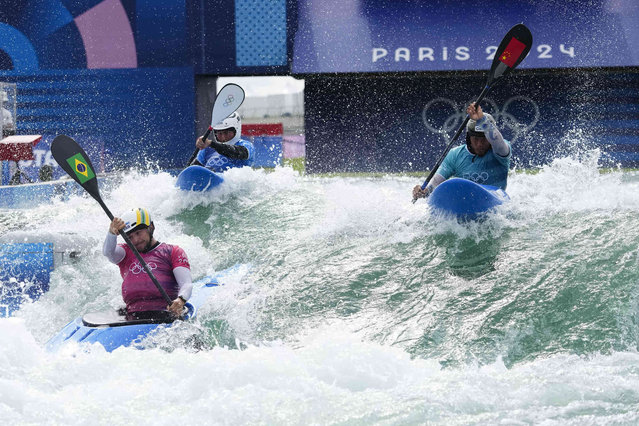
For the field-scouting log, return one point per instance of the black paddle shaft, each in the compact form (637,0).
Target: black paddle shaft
(450,144)
(72,158)
(511,51)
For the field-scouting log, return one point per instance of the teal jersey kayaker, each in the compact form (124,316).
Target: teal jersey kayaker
(226,150)
(485,159)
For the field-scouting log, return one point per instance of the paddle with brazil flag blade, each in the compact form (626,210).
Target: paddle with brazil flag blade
(511,51)
(226,103)
(72,158)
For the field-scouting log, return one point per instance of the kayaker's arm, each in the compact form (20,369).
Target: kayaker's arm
(494,137)
(236,152)
(185,284)
(185,287)
(111,250)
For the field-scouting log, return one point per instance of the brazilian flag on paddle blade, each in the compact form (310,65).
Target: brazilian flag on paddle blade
(80,166)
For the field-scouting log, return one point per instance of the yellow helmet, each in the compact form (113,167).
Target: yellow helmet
(136,219)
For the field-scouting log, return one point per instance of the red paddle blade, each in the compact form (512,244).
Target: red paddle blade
(511,51)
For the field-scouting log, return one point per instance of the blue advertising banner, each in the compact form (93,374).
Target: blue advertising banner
(94,34)
(348,36)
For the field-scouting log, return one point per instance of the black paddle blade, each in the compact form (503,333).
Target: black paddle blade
(511,51)
(68,154)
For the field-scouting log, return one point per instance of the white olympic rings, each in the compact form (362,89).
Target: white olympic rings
(504,118)
(136,268)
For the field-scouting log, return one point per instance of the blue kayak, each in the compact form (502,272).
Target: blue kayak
(465,199)
(113,330)
(198,178)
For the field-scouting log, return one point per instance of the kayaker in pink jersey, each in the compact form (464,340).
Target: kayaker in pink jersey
(168,262)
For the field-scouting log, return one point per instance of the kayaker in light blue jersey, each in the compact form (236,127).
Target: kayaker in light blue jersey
(227,150)
(484,159)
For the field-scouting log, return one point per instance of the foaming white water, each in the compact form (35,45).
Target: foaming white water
(380,208)
(244,183)
(337,234)
(573,185)
(332,377)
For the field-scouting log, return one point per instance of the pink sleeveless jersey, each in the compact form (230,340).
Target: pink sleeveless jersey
(138,291)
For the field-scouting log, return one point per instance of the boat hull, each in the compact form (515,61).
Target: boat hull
(464,199)
(198,178)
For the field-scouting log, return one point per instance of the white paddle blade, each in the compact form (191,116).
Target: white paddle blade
(228,100)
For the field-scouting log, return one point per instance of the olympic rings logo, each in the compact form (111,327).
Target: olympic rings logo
(218,160)
(476,177)
(229,100)
(136,268)
(506,121)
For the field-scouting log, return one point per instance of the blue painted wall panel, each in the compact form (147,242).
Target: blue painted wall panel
(390,124)
(24,274)
(268,150)
(128,117)
(260,32)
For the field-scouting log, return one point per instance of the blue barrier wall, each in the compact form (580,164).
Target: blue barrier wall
(268,150)
(24,274)
(132,117)
(403,123)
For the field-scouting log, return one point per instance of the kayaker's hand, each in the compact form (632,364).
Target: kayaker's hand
(418,192)
(116,225)
(201,143)
(177,307)
(475,113)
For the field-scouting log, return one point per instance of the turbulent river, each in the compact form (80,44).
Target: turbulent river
(353,306)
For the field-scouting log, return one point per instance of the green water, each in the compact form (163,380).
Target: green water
(558,276)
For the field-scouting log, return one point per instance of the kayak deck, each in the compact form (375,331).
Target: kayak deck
(465,199)
(198,178)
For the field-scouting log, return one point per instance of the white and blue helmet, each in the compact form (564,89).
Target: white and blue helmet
(233,121)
